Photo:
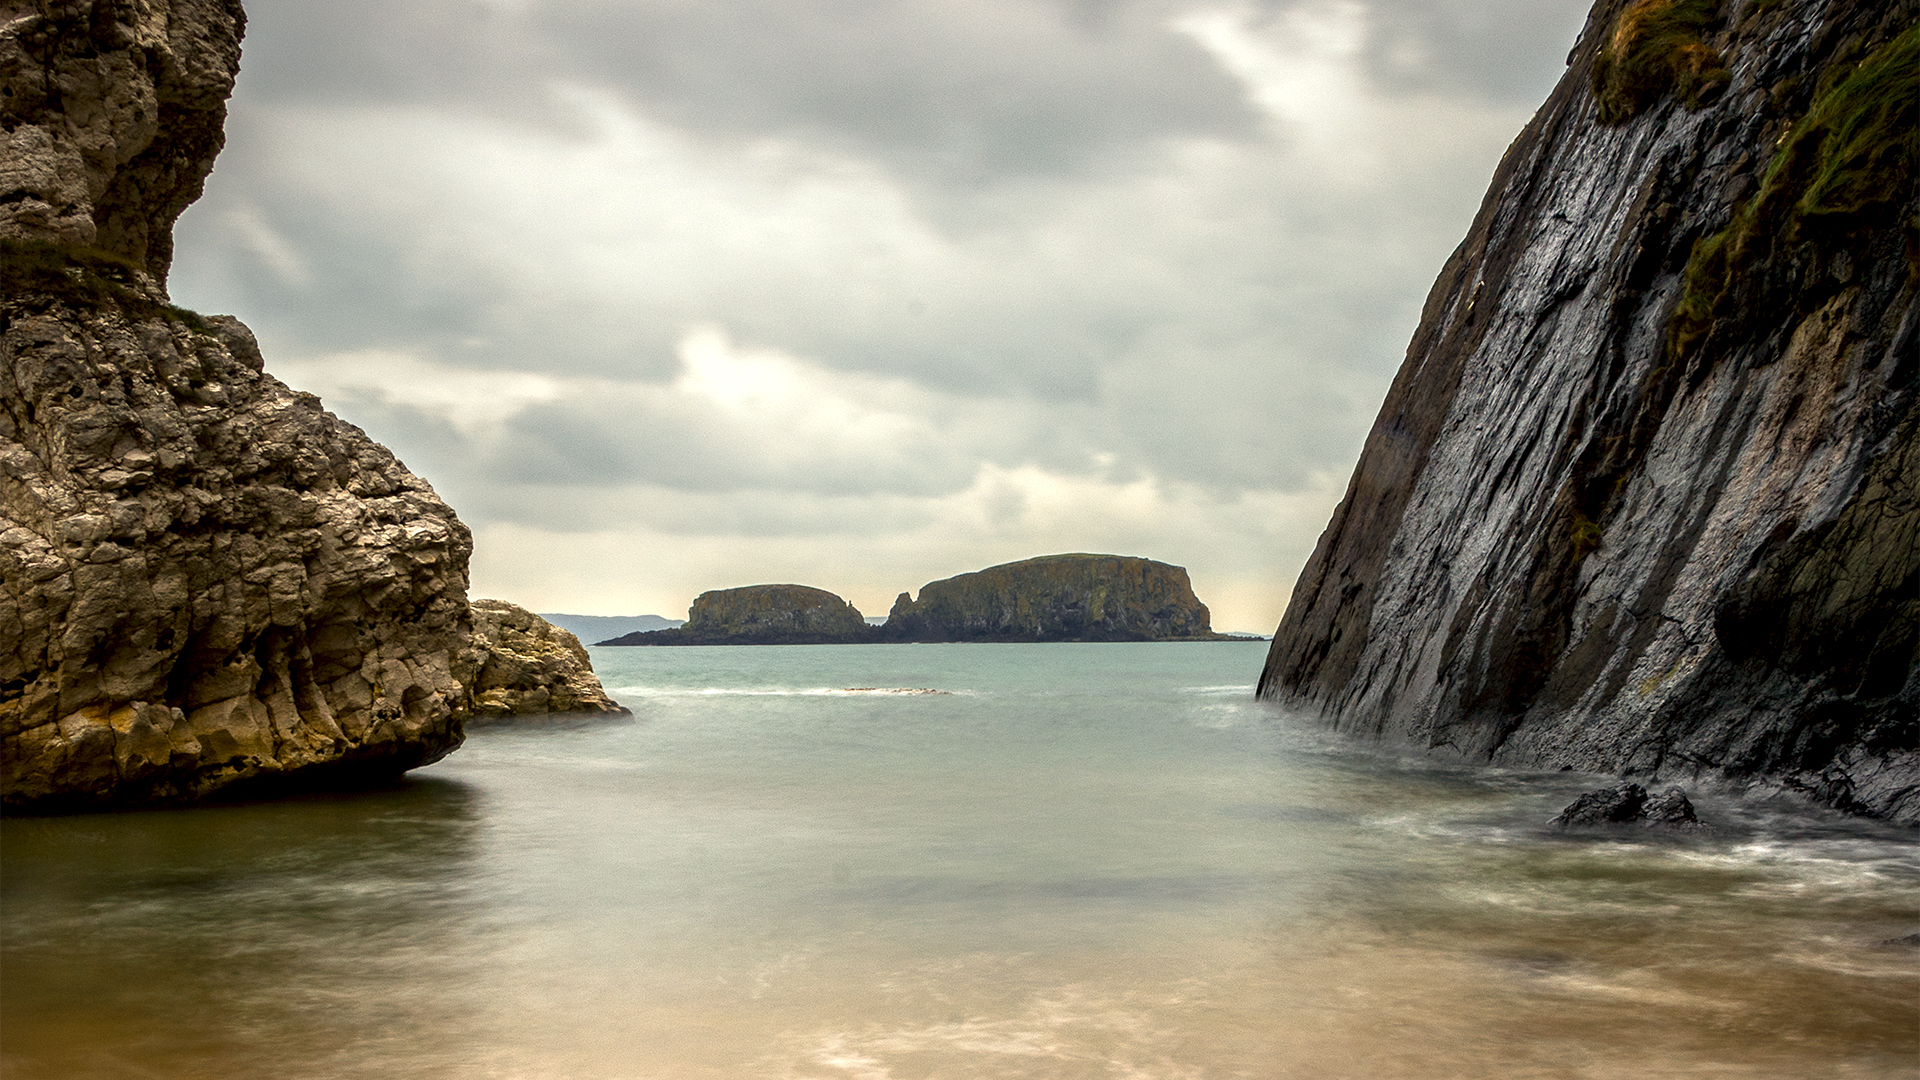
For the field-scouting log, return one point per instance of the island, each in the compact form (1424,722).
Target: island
(761,615)
(1074,597)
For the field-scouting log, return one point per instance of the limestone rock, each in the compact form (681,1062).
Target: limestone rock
(762,615)
(110,117)
(1056,598)
(207,581)
(528,667)
(1642,498)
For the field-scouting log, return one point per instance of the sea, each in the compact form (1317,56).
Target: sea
(884,862)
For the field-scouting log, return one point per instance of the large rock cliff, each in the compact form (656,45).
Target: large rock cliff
(1056,598)
(206,581)
(1642,497)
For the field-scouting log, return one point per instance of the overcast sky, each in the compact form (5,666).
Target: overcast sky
(672,295)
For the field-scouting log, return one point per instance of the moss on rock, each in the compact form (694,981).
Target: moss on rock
(1840,169)
(1656,49)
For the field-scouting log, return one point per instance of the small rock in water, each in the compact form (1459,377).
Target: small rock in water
(1608,806)
(1629,804)
(1670,810)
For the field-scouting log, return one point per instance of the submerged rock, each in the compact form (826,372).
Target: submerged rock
(1057,598)
(1629,804)
(1642,497)
(207,582)
(762,615)
(526,666)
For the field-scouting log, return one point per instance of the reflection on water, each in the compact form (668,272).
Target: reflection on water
(256,940)
(1085,861)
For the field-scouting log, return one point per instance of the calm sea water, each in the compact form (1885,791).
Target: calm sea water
(1072,861)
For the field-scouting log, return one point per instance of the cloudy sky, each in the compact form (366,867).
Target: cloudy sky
(672,295)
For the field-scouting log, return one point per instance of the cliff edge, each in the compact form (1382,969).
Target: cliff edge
(207,582)
(1642,497)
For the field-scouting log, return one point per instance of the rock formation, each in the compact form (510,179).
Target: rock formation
(207,582)
(526,666)
(1629,804)
(1056,598)
(1642,498)
(762,615)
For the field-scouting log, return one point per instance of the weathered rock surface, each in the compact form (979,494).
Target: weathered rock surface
(526,666)
(762,615)
(110,117)
(1056,598)
(1629,804)
(207,581)
(1642,498)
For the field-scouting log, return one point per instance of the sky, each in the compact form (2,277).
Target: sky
(665,296)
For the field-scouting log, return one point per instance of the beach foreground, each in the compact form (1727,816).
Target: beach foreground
(1098,860)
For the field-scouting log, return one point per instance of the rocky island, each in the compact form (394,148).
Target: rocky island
(1074,597)
(1052,598)
(761,615)
(1642,497)
(208,583)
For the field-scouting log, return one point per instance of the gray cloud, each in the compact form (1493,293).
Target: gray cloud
(939,280)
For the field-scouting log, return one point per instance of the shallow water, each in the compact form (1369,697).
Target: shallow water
(1075,861)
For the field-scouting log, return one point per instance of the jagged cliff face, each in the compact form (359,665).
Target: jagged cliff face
(1642,498)
(1055,598)
(206,580)
(526,666)
(111,114)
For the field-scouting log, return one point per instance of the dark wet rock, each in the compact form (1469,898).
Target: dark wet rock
(1642,498)
(1617,805)
(1670,809)
(762,615)
(526,666)
(1630,804)
(1057,598)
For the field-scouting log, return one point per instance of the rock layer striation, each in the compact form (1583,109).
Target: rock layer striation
(207,582)
(1642,498)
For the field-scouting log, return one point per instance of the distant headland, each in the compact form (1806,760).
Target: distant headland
(1073,597)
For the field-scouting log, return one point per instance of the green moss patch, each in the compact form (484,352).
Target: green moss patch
(1655,50)
(1859,139)
(81,275)
(1842,168)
